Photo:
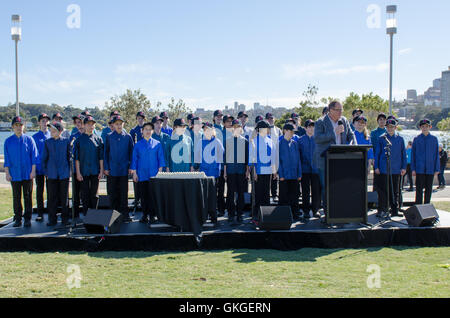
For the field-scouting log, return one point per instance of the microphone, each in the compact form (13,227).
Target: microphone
(341,123)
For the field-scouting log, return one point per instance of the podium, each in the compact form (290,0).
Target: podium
(346,184)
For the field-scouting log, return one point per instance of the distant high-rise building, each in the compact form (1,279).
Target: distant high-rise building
(256,106)
(411,95)
(236,106)
(445,89)
(437,83)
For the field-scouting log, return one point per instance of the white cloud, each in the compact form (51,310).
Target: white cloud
(405,51)
(329,68)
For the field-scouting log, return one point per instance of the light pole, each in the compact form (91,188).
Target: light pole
(16,34)
(391,29)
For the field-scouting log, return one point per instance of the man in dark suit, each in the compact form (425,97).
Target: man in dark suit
(331,129)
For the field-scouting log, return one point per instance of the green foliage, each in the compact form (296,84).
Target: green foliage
(128,105)
(371,104)
(178,109)
(444,124)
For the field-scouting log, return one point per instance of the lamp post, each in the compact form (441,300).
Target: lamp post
(16,34)
(391,29)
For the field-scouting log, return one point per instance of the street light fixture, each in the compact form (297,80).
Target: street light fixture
(391,29)
(16,35)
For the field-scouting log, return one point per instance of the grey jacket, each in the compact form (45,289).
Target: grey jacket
(324,137)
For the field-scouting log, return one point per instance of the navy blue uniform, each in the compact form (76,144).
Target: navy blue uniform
(39,138)
(425,162)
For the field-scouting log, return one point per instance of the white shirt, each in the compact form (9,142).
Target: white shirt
(335,125)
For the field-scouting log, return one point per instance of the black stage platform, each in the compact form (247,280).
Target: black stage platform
(136,236)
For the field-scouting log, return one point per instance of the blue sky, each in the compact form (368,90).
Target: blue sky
(214,52)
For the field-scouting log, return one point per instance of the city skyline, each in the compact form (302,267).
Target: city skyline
(211,53)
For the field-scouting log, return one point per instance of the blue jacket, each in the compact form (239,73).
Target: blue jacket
(118,154)
(88,150)
(20,156)
(398,154)
(148,157)
(307,147)
(168,130)
(300,131)
(374,135)
(290,163)
(236,155)
(408,155)
(39,139)
(105,133)
(210,155)
(136,134)
(261,155)
(180,153)
(361,140)
(425,155)
(56,158)
(164,139)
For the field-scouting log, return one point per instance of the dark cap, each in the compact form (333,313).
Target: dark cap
(381,115)
(218,113)
(114,113)
(196,120)
(140,114)
(424,121)
(262,124)
(391,117)
(356,111)
(43,115)
(288,127)
(208,124)
(358,118)
(290,120)
(179,122)
(236,122)
(269,115)
(242,114)
(190,116)
(116,119)
(85,113)
(156,118)
(227,117)
(258,119)
(57,115)
(294,115)
(57,126)
(88,119)
(309,122)
(164,115)
(17,120)
(77,117)
(391,121)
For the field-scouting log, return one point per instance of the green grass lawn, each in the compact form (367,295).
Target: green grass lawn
(404,272)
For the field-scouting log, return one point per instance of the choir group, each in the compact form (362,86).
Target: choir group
(288,161)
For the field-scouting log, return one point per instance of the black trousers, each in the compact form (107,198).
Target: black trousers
(89,188)
(41,181)
(289,195)
(76,195)
(58,194)
(394,192)
(221,193)
(118,194)
(274,187)
(311,192)
(409,176)
(143,188)
(424,181)
(25,187)
(236,183)
(262,193)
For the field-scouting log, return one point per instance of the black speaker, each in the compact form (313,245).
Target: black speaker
(372,199)
(421,215)
(275,218)
(103,202)
(102,221)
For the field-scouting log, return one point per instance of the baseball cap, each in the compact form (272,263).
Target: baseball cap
(236,122)
(16,120)
(116,119)
(269,115)
(294,115)
(114,113)
(218,113)
(57,115)
(288,127)
(43,115)
(425,121)
(156,118)
(208,124)
(381,115)
(356,111)
(391,121)
(262,124)
(309,122)
(258,119)
(56,126)
(227,117)
(179,122)
(164,115)
(359,118)
(88,119)
(140,114)
(242,114)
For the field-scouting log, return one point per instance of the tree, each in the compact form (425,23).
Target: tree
(444,125)
(177,110)
(128,105)
(371,104)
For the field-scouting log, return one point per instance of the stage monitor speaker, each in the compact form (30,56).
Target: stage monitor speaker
(273,218)
(421,215)
(102,221)
(103,202)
